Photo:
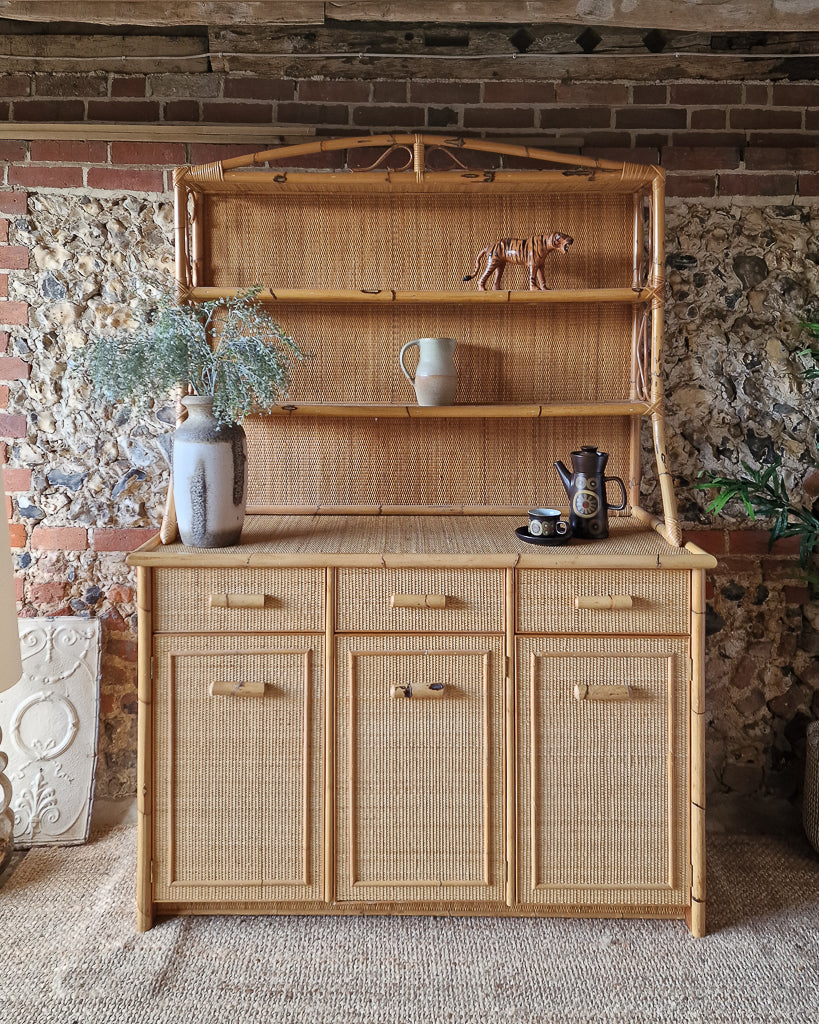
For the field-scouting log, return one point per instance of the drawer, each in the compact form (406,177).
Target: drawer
(602,601)
(420,601)
(238,600)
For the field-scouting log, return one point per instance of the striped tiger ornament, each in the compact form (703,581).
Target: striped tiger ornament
(529,252)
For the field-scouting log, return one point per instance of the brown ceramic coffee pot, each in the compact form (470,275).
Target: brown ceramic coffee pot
(586,487)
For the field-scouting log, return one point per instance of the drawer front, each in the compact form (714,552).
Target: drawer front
(238,600)
(238,768)
(602,601)
(420,601)
(602,747)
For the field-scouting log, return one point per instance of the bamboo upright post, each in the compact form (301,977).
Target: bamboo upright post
(144,896)
(696,915)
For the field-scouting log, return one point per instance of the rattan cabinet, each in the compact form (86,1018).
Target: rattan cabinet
(381,700)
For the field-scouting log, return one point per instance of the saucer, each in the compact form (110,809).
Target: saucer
(522,533)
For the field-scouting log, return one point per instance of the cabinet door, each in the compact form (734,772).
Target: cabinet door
(602,776)
(238,773)
(420,778)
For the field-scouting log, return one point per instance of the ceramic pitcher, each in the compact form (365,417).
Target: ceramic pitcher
(436,379)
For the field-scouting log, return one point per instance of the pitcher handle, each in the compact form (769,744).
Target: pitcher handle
(616,480)
(409,344)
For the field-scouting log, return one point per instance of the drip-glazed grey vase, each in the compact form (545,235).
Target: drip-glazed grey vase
(209,477)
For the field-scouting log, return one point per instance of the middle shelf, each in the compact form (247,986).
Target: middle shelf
(494,411)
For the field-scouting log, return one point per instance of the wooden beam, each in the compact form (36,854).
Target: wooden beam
(732,16)
(256,136)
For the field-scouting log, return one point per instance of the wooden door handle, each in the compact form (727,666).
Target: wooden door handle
(418,601)
(417,691)
(236,600)
(226,688)
(584,691)
(604,602)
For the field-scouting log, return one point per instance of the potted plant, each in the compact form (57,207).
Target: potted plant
(229,358)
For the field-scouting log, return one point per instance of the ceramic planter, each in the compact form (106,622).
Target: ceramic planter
(209,477)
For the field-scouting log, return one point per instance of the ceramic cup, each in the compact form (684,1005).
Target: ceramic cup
(546,522)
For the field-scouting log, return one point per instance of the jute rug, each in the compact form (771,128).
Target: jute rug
(70,955)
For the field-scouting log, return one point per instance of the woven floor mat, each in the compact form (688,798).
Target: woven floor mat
(70,954)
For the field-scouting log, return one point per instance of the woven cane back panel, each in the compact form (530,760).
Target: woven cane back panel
(327,461)
(660,601)
(293,600)
(603,811)
(520,353)
(474,600)
(409,241)
(420,783)
(238,780)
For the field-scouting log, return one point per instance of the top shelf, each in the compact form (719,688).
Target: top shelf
(630,296)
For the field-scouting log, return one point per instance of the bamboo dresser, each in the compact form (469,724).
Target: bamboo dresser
(382,701)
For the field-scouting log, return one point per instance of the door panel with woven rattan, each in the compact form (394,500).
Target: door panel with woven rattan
(420,769)
(238,767)
(602,775)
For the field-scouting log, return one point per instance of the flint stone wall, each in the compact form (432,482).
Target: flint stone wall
(740,278)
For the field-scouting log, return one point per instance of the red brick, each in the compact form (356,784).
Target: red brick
(14,257)
(375,116)
(756,95)
(795,95)
(4,396)
(575,117)
(390,92)
(15,85)
(125,180)
(16,480)
(783,140)
(344,91)
(259,89)
(13,313)
(164,153)
(17,535)
(46,593)
(4,341)
(18,588)
(750,184)
(446,92)
(796,595)
(708,139)
(4,286)
(650,117)
(13,202)
(49,177)
(497,117)
(755,542)
(710,94)
(700,158)
(59,538)
(12,152)
(709,590)
(130,86)
(123,110)
(809,184)
(645,95)
(689,186)
(764,117)
(712,541)
(67,84)
(709,117)
(607,140)
(778,569)
(324,113)
(738,565)
(240,113)
(527,93)
(114,539)
(47,151)
(119,594)
(769,158)
(12,426)
(4,231)
(182,110)
(49,110)
(812,120)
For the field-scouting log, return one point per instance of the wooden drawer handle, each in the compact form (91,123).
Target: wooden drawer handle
(604,602)
(417,691)
(583,691)
(418,601)
(236,600)
(223,688)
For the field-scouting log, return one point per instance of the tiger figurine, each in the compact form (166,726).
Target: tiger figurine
(529,252)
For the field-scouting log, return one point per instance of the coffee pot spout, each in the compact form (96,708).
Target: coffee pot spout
(565,476)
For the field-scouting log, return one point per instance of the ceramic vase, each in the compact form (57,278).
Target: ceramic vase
(209,477)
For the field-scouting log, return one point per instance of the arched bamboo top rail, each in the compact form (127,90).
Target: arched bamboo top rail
(611,174)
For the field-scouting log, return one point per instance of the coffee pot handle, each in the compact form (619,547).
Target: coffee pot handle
(409,344)
(616,480)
